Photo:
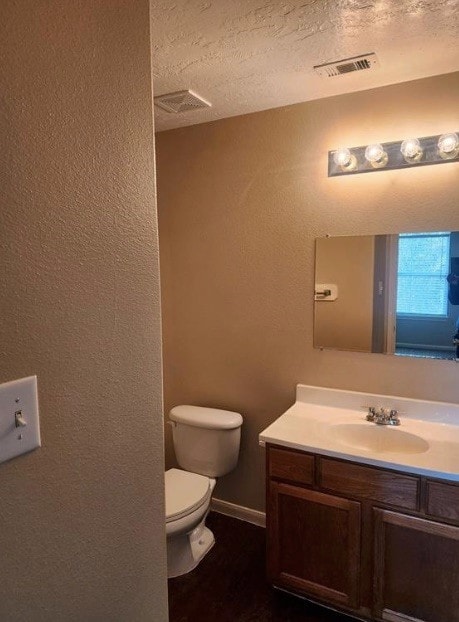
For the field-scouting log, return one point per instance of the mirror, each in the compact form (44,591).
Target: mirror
(393,294)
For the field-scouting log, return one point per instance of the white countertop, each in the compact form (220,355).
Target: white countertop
(318,422)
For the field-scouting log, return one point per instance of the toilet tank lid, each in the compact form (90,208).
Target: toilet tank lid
(210,418)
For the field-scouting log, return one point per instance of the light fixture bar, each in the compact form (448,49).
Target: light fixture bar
(406,153)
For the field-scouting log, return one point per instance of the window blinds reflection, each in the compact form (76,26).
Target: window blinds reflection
(423,265)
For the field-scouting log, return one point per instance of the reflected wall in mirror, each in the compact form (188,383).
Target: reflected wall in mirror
(393,294)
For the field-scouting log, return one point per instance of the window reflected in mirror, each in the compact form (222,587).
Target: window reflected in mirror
(394,294)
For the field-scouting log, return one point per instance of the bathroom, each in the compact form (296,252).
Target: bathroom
(241,202)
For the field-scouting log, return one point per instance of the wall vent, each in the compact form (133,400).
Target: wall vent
(347,65)
(180,101)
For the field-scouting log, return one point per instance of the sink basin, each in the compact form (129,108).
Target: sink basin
(378,438)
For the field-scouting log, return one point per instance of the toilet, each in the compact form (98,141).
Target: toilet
(206,443)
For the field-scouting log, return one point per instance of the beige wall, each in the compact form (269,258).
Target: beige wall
(347,322)
(81,519)
(240,203)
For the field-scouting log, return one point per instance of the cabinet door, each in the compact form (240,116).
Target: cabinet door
(314,544)
(416,576)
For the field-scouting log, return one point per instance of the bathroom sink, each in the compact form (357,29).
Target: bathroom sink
(330,422)
(378,438)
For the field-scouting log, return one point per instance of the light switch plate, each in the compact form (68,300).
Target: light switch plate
(19,422)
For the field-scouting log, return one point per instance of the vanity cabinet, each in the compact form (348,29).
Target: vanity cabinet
(373,542)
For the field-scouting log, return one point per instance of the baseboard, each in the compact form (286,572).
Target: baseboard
(239,511)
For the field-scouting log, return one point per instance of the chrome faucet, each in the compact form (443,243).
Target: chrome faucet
(383,416)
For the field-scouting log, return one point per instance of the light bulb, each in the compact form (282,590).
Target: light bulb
(411,150)
(376,155)
(344,159)
(342,156)
(448,146)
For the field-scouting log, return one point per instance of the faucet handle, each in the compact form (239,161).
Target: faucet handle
(371,412)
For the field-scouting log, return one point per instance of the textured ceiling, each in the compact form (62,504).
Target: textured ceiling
(248,55)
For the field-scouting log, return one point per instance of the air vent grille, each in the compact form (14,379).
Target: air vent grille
(347,65)
(180,101)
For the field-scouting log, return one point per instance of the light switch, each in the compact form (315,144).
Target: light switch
(19,423)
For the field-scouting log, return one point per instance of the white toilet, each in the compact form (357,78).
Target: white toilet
(206,442)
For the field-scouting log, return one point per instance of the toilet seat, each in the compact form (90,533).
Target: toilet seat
(185,492)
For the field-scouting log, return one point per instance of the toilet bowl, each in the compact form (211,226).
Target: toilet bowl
(206,442)
(188,498)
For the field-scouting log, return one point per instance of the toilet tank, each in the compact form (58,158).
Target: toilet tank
(206,440)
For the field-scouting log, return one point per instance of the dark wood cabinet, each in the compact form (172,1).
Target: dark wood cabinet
(315,540)
(416,569)
(375,543)
(376,485)
(291,466)
(443,501)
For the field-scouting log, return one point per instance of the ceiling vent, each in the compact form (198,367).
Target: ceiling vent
(180,101)
(347,65)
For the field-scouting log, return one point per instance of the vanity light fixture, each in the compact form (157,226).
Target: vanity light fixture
(439,149)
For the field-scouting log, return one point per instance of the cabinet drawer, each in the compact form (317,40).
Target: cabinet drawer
(443,500)
(291,466)
(378,485)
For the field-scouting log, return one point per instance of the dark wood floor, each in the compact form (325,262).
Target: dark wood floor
(229,585)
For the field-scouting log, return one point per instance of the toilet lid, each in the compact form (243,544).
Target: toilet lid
(185,492)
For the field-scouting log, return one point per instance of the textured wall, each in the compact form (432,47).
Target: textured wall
(81,519)
(240,203)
